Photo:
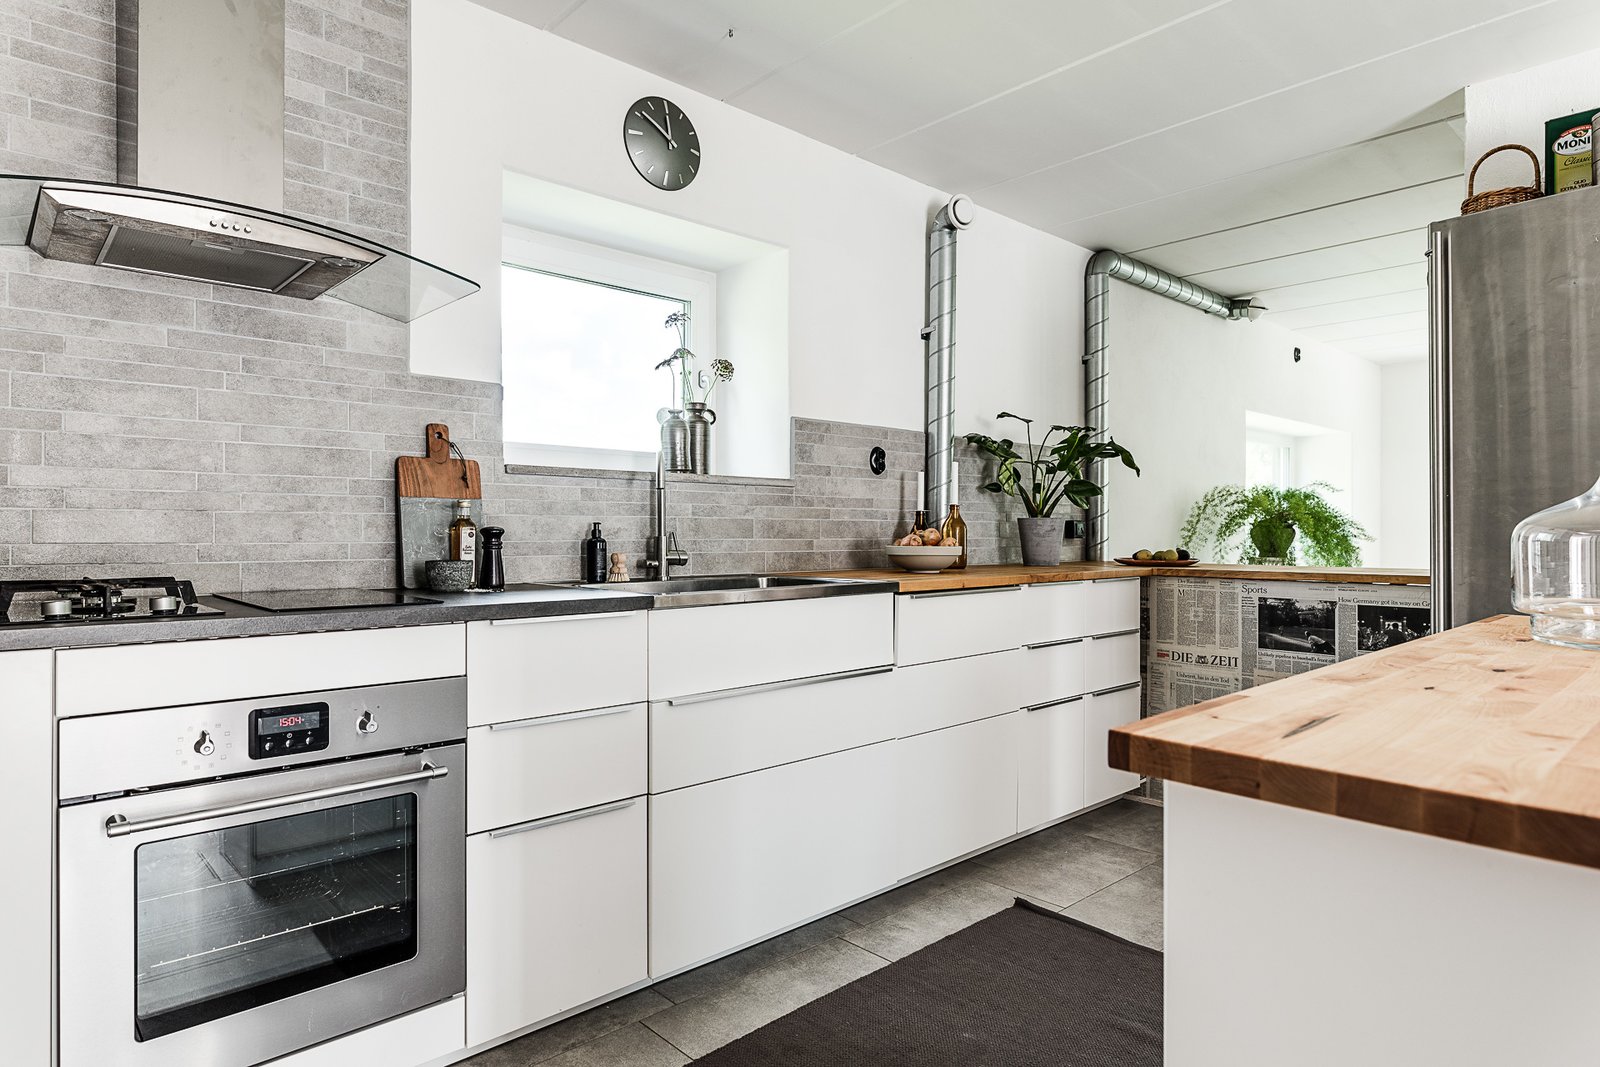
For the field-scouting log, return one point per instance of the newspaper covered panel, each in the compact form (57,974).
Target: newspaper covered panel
(1210,637)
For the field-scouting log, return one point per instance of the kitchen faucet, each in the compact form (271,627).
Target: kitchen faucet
(664,553)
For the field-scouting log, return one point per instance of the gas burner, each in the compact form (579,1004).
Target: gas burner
(99,600)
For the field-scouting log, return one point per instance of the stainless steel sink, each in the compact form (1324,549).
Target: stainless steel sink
(742,589)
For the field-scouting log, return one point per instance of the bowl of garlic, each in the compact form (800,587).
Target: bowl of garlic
(923,552)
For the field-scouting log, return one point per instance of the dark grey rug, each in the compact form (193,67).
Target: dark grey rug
(1023,988)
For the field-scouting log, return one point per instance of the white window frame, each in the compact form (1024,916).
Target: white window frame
(582,261)
(1283,447)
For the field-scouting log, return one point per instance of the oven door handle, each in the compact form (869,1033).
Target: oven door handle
(120,826)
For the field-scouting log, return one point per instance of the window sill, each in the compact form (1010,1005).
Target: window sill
(529,470)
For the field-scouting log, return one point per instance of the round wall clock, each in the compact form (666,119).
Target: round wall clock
(661,142)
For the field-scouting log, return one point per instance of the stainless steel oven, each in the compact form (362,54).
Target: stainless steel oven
(245,879)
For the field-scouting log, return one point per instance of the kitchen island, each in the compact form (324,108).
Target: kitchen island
(1394,859)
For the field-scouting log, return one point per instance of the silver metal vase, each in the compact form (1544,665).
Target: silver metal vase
(701,419)
(674,439)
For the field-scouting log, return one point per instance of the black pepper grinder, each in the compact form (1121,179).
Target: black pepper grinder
(492,569)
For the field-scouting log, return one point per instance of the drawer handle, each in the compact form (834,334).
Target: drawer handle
(1054,703)
(585,616)
(772,687)
(1118,633)
(1115,689)
(556,820)
(565,716)
(1057,644)
(963,592)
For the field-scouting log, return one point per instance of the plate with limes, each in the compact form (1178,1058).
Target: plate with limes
(1166,557)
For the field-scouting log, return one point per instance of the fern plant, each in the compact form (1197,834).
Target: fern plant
(1275,520)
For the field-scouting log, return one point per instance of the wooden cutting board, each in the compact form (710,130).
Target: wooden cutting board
(437,474)
(426,490)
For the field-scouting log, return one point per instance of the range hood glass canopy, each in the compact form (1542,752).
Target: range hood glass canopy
(153,231)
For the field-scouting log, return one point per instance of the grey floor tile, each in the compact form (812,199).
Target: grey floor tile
(702,980)
(632,1046)
(1130,908)
(569,1034)
(1068,867)
(1127,822)
(938,915)
(913,893)
(712,1020)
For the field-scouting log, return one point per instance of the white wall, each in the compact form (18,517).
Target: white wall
(1181,383)
(1404,436)
(491,94)
(1513,110)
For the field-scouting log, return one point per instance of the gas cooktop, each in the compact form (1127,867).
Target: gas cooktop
(61,602)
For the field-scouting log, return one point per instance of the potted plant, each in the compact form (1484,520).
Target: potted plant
(1276,522)
(1045,475)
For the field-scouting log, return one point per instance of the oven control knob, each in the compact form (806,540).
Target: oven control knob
(204,745)
(367,724)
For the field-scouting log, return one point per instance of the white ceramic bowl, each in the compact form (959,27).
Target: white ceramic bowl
(923,559)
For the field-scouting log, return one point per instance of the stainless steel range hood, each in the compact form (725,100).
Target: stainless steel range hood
(200,102)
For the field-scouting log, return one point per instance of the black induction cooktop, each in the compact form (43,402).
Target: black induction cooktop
(324,599)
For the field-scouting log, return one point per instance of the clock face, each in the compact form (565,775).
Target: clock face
(661,142)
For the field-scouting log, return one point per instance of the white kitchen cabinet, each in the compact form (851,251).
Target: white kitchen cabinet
(1112,606)
(932,696)
(556,915)
(1050,762)
(1101,713)
(736,860)
(701,738)
(965,622)
(731,646)
(957,791)
(522,668)
(1055,611)
(1109,662)
(27,792)
(129,677)
(530,768)
(1052,671)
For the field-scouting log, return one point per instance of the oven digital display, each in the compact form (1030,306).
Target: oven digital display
(287,731)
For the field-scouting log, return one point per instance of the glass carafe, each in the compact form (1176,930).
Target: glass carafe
(1555,557)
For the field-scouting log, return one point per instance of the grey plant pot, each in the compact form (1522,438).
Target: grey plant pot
(1041,540)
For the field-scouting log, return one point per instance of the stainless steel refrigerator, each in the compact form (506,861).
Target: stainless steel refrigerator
(1514,332)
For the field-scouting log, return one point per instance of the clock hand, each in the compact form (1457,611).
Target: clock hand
(659,128)
(668,116)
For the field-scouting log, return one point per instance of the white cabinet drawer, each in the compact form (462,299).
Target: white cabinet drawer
(520,668)
(1102,713)
(957,791)
(535,767)
(128,677)
(731,646)
(556,915)
(1055,611)
(1050,763)
(932,696)
(1113,606)
(734,861)
(1109,662)
(1050,672)
(968,622)
(701,738)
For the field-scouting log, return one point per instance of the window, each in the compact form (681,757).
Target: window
(582,328)
(1268,458)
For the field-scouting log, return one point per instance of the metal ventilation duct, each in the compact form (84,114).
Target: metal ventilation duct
(1104,266)
(940,334)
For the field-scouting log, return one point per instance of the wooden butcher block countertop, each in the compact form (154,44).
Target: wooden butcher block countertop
(1477,734)
(988,576)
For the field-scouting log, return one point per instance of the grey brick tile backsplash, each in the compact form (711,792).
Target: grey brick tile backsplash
(247,441)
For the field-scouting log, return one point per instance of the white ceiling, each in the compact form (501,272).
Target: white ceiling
(1288,149)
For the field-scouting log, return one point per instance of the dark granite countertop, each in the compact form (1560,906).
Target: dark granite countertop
(516,602)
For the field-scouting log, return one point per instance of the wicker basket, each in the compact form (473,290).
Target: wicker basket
(1517,194)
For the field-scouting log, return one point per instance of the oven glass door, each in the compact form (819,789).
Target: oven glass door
(231,919)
